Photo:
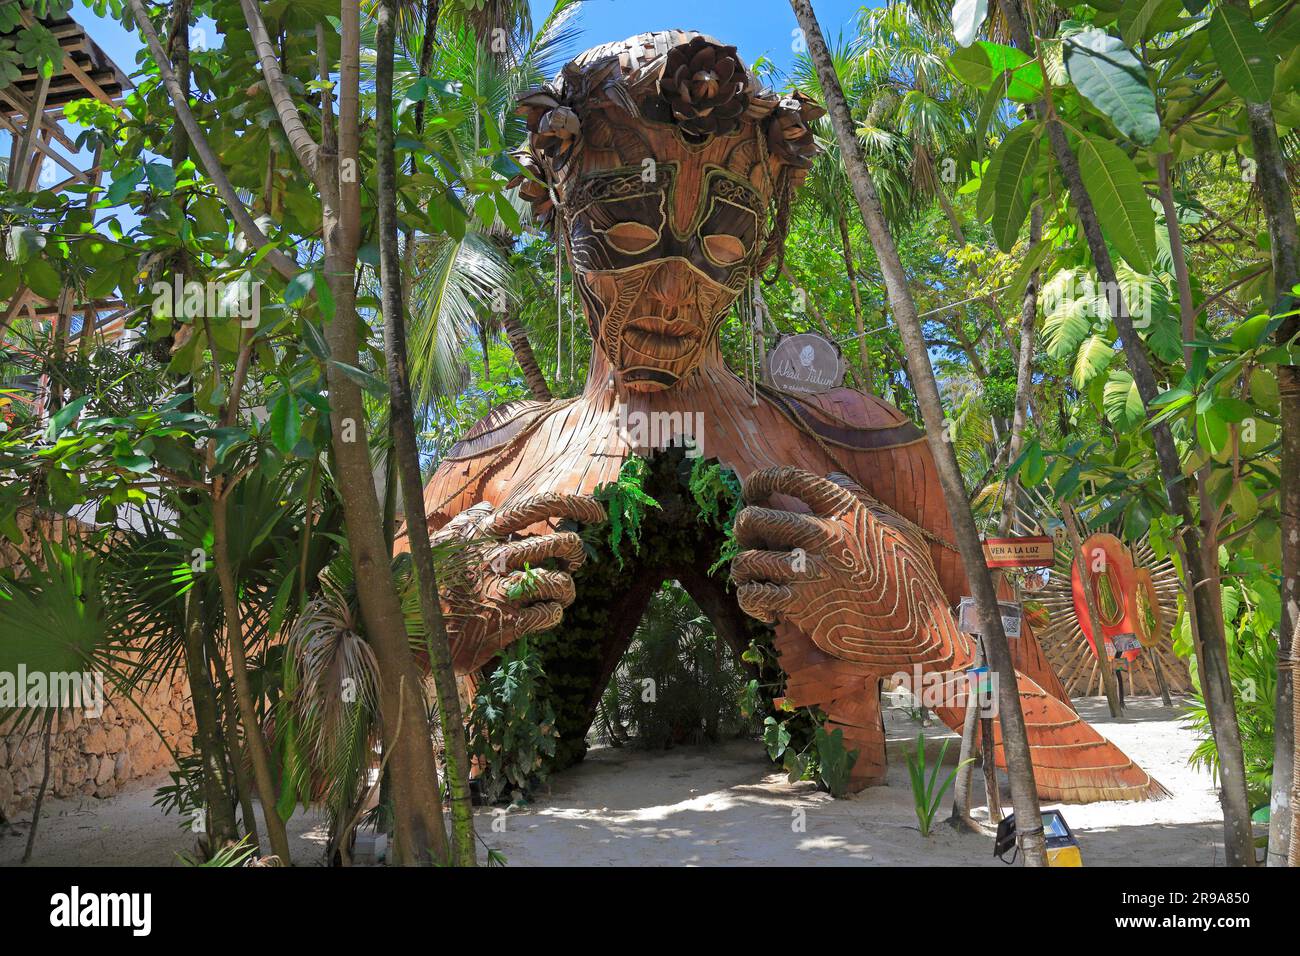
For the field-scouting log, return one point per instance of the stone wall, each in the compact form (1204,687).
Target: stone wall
(95,756)
(89,756)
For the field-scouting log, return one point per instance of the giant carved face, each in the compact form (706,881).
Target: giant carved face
(660,163)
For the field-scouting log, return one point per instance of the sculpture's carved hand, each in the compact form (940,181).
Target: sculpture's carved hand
(505,592)
(853,576)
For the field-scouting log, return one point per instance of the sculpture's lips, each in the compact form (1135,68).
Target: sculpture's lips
(662,339)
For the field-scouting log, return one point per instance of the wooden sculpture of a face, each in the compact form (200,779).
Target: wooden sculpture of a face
(666,207)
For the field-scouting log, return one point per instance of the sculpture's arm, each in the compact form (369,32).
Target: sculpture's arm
(854,576)
(502,586)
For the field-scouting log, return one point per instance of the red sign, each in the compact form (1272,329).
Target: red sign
(1036,551)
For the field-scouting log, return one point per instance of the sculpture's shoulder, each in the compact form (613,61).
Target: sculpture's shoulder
(886,453)
(853,419)
(496,429)
(462,470)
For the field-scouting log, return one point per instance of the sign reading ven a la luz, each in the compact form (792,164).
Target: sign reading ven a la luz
(1036,551)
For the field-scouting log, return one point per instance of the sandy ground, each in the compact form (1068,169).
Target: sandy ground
(720,805)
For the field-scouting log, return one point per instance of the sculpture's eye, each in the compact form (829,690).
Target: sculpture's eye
(724,249)
(631,238)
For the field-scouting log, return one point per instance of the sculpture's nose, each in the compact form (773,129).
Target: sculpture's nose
(670,286)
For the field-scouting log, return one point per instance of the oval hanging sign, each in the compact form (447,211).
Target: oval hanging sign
(805,363)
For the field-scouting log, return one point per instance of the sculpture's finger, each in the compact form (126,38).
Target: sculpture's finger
(466,525)
(777,567)
(564,546)
(546,507)
(764,601)
(536,618)
(525,588)
(765,529)
(822,496)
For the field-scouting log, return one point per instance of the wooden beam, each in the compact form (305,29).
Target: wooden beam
(16,97)
(93,88)
(35,116)
(43,147)
(33,172)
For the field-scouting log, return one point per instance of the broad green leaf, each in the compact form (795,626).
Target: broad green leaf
(1250,332)
(64,416)
(967,18)
(1070,303)
(286,422)
(1264,389)
(123,186)
(981,63)
(1212,431)
(363,378)
(1093,357)
(1033,260)
(1141,19)
(161,177)
(1244,57)
(299,287)
(1121,400)
(209,217)
(43,279)
(1111,78)
(1009,183)
(1120,199)
(315,341)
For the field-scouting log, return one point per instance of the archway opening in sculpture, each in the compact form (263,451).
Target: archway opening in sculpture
(581,655)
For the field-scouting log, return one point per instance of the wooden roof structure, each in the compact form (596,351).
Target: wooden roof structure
(87,71)
(31,111)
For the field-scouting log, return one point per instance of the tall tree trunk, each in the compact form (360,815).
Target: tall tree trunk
(523,349)
(1293,856)
(215,781)
(1211,647)
(846,249)
(231,612)
(222,828)
(408,454)
(255,743)
(419,832)
(1284,244)
(1015,739)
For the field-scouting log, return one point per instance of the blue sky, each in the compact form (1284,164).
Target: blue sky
(759,28)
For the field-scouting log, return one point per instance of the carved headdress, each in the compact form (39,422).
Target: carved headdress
(668,172)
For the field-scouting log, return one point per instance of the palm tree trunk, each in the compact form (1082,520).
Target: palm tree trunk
(221,827)
(1014,735)
(846,249)
(523,349)
(51,728)
(408,455)
(256,743)
(1211,645)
